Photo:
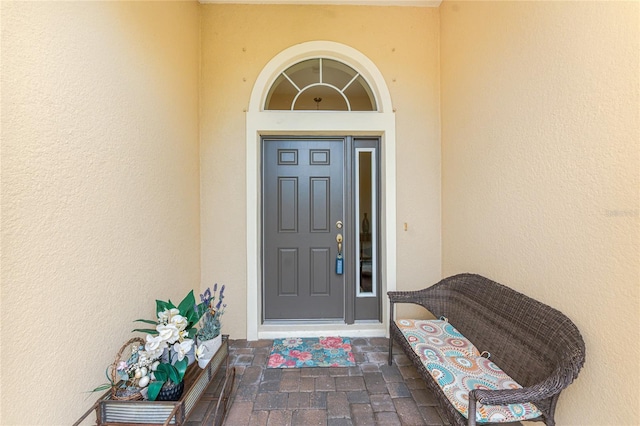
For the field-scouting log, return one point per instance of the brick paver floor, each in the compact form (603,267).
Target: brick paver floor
(372,393)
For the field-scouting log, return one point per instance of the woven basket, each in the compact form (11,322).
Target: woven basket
(116,390)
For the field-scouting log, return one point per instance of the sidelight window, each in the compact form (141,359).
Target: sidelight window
(366,226)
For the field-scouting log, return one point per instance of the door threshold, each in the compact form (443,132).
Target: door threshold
(303,322)
(305,329)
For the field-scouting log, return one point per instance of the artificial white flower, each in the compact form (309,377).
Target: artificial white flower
(184,334)
(166,315)
(154,347)
(200,351)
(183,348)
(179,321)
(169,332)
(163,317)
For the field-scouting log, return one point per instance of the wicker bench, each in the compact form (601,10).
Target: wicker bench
(536,345)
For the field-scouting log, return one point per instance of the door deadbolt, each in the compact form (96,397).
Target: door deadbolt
(339,224)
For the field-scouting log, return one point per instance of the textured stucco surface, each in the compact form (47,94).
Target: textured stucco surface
(105,187)
(100,190)
(237,42)
(541,164)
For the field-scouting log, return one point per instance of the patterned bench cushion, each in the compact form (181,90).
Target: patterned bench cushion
(456,365)
(435,340)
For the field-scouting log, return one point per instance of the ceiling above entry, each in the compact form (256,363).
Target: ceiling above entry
(412,3)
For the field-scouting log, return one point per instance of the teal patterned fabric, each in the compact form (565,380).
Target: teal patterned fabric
(299,352)
(436,339)
(456,365)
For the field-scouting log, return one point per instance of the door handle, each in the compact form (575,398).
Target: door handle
(339,258)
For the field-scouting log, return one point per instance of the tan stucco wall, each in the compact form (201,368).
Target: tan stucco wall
(100,190)
(541,164)
(101,170)
(237,42)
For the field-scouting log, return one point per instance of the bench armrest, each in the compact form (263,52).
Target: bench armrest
(540,391)
(503,396)
(496,397)
(547,388)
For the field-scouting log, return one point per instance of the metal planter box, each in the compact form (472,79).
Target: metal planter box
(114,412)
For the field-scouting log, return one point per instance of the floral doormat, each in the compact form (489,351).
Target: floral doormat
(300,352)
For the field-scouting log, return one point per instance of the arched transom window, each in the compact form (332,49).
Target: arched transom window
(320,84)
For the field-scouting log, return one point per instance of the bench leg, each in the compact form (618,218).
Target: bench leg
(550,417)
(472,410)
(390,334)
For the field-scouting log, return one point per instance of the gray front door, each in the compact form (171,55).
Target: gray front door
(302,199)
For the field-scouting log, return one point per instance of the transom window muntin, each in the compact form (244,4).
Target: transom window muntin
(320,84)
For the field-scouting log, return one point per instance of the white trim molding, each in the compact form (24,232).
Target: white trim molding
(325,49)
(409,3)
(340,123)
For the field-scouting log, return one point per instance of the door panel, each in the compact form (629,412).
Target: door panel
(302,199)
(288,273)
(320,203)
(288,204)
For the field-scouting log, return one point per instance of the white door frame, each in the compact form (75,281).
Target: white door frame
(319,123)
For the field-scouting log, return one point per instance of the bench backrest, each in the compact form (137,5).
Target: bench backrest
(529,340)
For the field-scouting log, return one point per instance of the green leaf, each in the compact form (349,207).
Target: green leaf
(101,388)
(163,306)
(146,330)
(175,376)
(106,372)
(161,376)
(187,303)
(163,368)
(154,390)
(160,306)
(146,321)
(181,368)
(170,372)
(192,333)
(197,313)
